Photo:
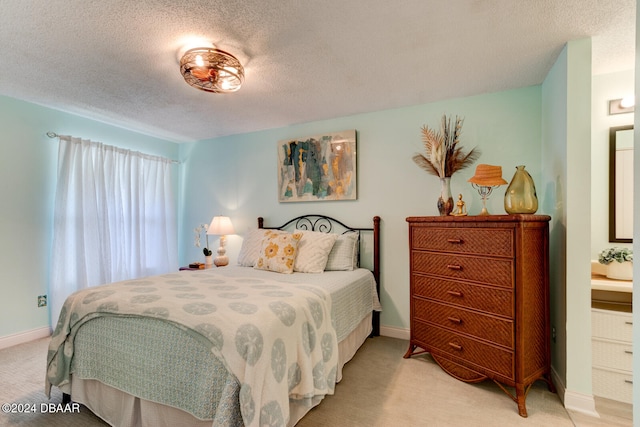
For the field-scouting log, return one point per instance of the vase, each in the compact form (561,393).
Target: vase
(208,261)
(620,270)
(445,201)
(520,197)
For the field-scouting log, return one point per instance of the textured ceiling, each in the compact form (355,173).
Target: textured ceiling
(116,61)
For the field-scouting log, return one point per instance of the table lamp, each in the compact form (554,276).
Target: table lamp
(221,226)
(486,178)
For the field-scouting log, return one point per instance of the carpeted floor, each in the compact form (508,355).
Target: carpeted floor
(379,388)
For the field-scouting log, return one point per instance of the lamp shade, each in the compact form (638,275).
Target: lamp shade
(488,175)
(221,225)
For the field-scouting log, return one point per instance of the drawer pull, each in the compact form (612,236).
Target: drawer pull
(628,381)
(455,293)
(455,241)
(454,267)
(455,320)
(628,322)
(628,351)
(455,346)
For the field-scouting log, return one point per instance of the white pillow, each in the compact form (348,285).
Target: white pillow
(313,251)
(250,250)
(344,254)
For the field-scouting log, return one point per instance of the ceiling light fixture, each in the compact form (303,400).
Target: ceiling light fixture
(212,70)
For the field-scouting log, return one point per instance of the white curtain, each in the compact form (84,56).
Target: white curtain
(114,218)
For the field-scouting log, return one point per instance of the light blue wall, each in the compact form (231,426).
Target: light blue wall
(605,88)
(566,151)
(578,214)
(28,162)
(554,106)
(236,176)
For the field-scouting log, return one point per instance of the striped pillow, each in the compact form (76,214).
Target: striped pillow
(344,254)
(251,245)
(313,251)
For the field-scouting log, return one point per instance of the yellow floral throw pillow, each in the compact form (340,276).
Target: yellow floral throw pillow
(278,251)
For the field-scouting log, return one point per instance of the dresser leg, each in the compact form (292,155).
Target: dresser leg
(520,399)
(410,351)
(547,378)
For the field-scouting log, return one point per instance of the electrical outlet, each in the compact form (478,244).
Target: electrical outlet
(553,334)
(42,300)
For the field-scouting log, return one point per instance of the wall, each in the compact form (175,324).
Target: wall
(566,152)
(554,178)
(236,176)
(605,88)
(28,163)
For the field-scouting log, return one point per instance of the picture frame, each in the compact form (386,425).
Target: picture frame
(318,168)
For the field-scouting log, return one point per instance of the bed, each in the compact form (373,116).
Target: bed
(260,343)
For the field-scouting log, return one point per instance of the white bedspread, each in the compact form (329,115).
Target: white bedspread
(275,337)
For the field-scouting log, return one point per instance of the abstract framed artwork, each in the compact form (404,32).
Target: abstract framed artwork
(317,168)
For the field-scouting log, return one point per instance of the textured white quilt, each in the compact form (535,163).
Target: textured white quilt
(277,338)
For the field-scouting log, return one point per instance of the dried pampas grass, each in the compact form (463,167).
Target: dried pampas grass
(443,154)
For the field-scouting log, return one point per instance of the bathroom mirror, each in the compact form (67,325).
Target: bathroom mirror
(621,184)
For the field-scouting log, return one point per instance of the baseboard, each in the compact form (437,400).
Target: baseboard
(573,401)
(578,402)
(23,337)
(391,332)
(557,381)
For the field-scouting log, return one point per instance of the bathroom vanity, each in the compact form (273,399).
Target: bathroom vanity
(611,338)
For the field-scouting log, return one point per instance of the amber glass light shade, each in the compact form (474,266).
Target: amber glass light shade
(212,70)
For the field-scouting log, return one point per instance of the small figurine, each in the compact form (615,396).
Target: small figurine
(462,209)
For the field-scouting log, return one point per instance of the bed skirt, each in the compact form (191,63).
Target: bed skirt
(120,409)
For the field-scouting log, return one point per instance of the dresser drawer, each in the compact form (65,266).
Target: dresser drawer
(616,355)
(613,385)
(484,298)
(461,348)
(479,241)
(488,328)
(612,325)
(484,270)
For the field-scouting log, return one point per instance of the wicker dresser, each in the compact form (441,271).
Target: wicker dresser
(480,298)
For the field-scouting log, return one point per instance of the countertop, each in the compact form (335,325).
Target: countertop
(603,283)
